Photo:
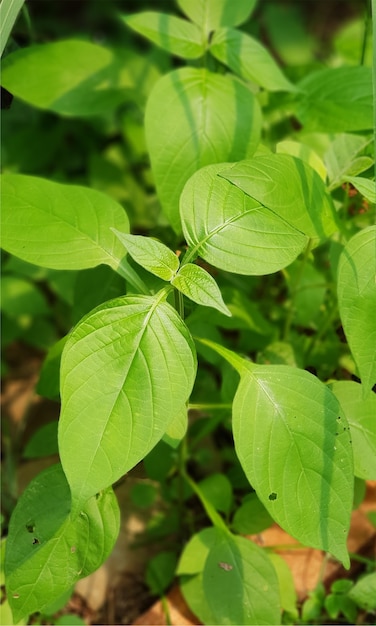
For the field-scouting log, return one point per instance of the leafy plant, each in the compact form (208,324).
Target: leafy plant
(255,265)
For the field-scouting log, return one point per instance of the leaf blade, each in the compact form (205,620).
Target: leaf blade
(198,285)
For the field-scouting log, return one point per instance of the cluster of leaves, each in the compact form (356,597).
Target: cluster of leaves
(253,293)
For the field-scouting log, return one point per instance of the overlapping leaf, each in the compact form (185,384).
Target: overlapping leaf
(47,551)
(127,370)
(200,286)
(195,117)
(232,231)
(249,59)
(59,226)
(151,254)
(172,33)
(211,14)
(289,187)
(356,289)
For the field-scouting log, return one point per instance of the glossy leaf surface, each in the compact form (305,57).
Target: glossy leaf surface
(211,14)
(153,255)
(287,440)
(127,369)
(47,551)
(198,285)
(171,33)
(249,59)
(240,583)
(290,188)
(48,76)
(195,117)
(356,289)
(360,413)
(337,100)
(232,231)
(60,226)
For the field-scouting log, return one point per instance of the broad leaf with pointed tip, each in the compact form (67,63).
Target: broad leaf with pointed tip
(153,255)
(198,285)
(47,551)
(127,369)
(249,59)
(195,117)
(356,290)
(290,188)
(171,33)
(211,14)
(232,231)
(60,226)
(240,583)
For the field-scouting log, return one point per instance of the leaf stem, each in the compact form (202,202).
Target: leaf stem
(126,271)
(179,303)
(209,407)
(295,289)
(212,514)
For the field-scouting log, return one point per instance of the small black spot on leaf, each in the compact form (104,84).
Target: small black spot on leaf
(272,496)
(30,527)
(35,541)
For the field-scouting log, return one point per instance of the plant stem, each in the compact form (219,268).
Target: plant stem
(209,407)
(212,514)
(179,303)
(295,289)
(362,559)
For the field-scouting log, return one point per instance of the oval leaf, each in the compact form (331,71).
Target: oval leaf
(337,100)
(127,369)
(240,583)
(47,551)
(211,14)
(287,438)
(356,290)
(171,33)
(60,226)
(194,117)
(231,230)
(150,254)
(289,187)
(249,59)
(360,412)
(198,285)
(48,76)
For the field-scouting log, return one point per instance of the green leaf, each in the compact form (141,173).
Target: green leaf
(48,76)
(198,285)
(195,117)
(47,552)
(342,157)
(217,489)
(303,152)
(60,226)
(363,592)
(171,33)
(356,290)
(337,100)
(9,10)
(289,187)
(286,582)
(286,437)
(20,298)
(151,254)
(233,231)
(240,583)
(249,59)
(43,442)
(177,429)
(360,413)
(251,516)
(160,572)
(93,287)
(365,186)
(49,376)
(127,369)
(211,14)
(194,594)
(195,552)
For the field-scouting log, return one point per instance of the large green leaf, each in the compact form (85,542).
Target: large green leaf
(68,77)
(60,226)
(289,187)
(360,412)
(248,58)
(195,117)
(211,14)
(232,231)
(127,370)
(337,100)
(240,583)
(287,438)
(47,551)
(356,289)
(172,33)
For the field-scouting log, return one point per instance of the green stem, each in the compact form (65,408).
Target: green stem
(209,407)
(366,30)
(212,514)
(179,303)
(126,271)
(362,559)
(295,289)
